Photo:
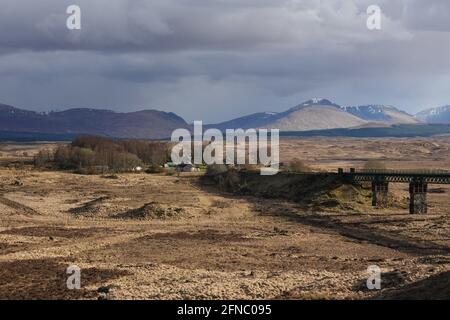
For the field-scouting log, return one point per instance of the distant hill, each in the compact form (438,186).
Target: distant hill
(380,113)
(435,115)
(395,131)
(314,117)
(146,124)
(315,114)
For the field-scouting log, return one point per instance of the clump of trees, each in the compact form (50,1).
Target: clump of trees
(91,154)
(43,158)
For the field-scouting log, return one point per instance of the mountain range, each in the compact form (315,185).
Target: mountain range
(322,114)
(146,124)
(440,115)
(380,113)
(314,114)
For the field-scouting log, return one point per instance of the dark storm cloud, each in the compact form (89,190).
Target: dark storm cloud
(218,59)
(139,25)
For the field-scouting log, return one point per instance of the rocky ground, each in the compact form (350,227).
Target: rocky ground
(144,236)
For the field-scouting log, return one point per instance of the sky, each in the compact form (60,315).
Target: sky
(214,60)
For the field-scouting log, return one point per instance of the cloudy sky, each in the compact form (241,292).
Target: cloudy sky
(213,60)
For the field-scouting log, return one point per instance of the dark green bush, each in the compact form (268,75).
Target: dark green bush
(154,169)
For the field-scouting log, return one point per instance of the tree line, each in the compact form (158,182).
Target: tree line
(92,154)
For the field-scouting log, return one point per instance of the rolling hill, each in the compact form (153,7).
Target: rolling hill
(146,124)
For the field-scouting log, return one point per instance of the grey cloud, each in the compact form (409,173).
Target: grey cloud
(219,59)
(164,25)
(431,15)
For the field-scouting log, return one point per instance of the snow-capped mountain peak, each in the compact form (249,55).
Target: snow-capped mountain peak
(380,113)
(318,101)
(435,115)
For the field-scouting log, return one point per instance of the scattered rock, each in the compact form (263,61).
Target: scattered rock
(436,260)
(103,296)
(248,274)
(280,231)
(273,274)
(107,289)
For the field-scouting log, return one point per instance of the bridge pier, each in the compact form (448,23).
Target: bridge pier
(380,190)
(380,179)
(418,197)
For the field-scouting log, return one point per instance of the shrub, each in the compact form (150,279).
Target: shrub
(82,157)
(170,172)
(43,158)
(125,162)
(154,169)
(215,169)
(249,167)
(111,176)
(297,165)
(62,157)
(374,165)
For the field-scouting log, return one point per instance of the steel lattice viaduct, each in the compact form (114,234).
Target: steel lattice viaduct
(418,185)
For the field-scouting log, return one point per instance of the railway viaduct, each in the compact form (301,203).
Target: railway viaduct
(418,184)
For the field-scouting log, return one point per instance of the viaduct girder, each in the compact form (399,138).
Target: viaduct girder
(418,184)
